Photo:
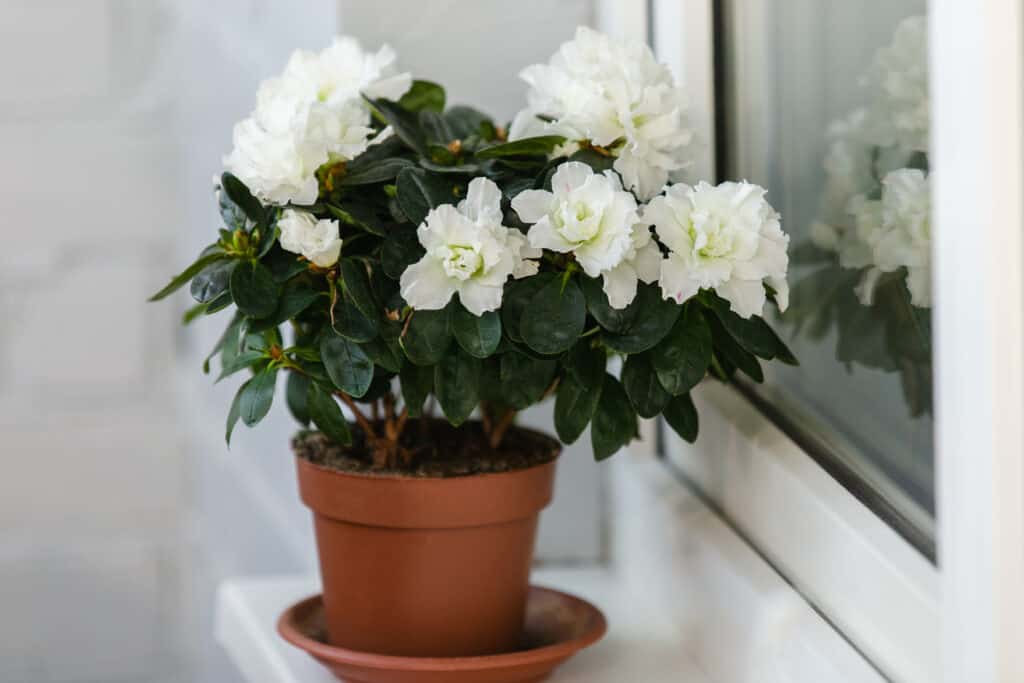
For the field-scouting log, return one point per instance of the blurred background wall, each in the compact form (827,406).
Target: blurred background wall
(120,508)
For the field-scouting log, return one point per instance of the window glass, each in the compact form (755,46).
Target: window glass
(825,103)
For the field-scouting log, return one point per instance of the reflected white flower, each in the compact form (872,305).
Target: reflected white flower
(311,114)
(469,252)
(898,82)
(590,216)
(317,240)
(614,94)
(726,238)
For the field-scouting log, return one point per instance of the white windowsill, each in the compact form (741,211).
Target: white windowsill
(686,600)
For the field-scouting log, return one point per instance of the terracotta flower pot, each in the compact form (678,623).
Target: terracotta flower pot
(418,566)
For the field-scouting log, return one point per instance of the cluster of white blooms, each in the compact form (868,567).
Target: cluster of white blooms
(895,232)
(469,252)
(613,94)
(589,215)
(726,238)
(869,156)
(317,240)
(311,114)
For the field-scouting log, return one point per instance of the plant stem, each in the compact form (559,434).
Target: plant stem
(371,435)
(496,436)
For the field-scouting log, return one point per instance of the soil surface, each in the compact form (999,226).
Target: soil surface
(438,450)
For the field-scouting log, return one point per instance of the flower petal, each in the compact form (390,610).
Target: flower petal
(425,286)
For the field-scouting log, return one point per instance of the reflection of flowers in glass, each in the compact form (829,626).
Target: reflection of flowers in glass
(879,151)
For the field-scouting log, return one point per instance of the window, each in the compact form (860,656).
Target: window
(826,104)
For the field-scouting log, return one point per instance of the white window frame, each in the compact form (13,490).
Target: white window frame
(913,621)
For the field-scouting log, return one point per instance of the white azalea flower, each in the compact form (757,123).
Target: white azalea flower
(614,94)
(312,114)
(589,215)
(726,238)
(469,252)
(317,240)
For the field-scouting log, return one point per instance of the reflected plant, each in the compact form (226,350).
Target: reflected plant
(869,254)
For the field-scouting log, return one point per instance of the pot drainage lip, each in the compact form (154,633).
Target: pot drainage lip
(557,626)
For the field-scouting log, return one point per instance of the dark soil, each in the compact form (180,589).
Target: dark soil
(438,450)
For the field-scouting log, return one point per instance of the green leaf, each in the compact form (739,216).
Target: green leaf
(642,386)
(212,281)
(383,354)
(597,161)
(400,250)
(537,146)
(457,385)
(579,391)
(254,289)
(405,124)
(296,395)
(326,414)
(187,274)
(356,282)
(349,321)
(681,416)
(284,265)
(232,215)
(296,297)
(752,333)
(427,337)
(523,380)
(554,318)
(239,362)
(654,318)
(234,413)
(417,381)
(477,335)
(236,190)
(681,359)
(614,423)
(436,130)
(729,349)
(257,396)
(616,320)
(465,121)
(516,299)
(347,364)
(423,95)
(418,191)
(782,352)
(373,171)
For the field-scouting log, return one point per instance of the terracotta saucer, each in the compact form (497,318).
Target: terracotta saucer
(557,626)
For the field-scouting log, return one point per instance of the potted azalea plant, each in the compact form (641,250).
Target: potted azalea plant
(415,274)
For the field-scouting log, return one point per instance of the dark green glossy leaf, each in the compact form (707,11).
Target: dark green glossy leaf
(457,385)
(681,416)
(257,396)
(296,297)
(616,320)
(400,250)
(418,191)
(614,424)
(373,172)
(356,283)
(347,364)
(427,337)
(326,414)
(417,381)
(212,281)
(405,123)
(423,95)
(681,359)
(654,318)
(238,362)
(597,161)
(284,265)
(233,414)
(297,395)
(554,318)
(240,195)
(187,274)
(380,386)
(350,322)
(537,146)
(523,379)
(465,121)
(436,130)
(642,386)
(232,215)
(579,391)
(477,335)
(752,333)
(384,354)
(254,289)
(516,299)
(729,350)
